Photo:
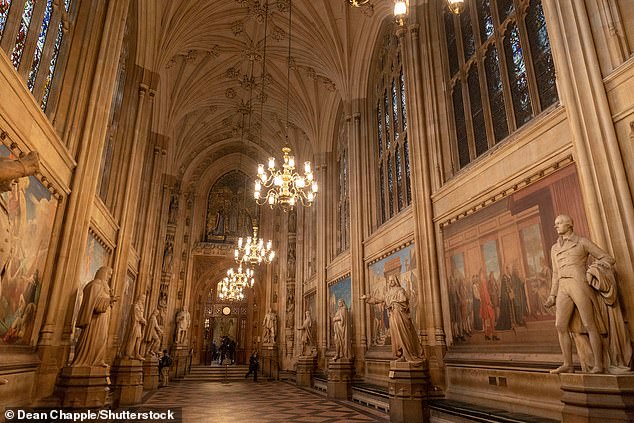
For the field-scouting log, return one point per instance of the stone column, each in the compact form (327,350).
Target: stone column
(321,227)
(340,379)
(597,398)
(179,354)
(305,370)
(408,385)
(128,381)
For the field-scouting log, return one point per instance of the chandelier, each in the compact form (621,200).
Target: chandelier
(358,3)
(254,251)
(401,8)
(232,286)
(284,187)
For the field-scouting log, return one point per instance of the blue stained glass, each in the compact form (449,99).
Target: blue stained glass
(390,184)
(380,127)
(485,18)
(517,76)
(408,181)
(67,4)
(395,108)
(386,113)
(541,54)
(52,65)
(468,40)
(37,55)
(399,179)
(20,39)
(5,5)
(496,95)
(403,108)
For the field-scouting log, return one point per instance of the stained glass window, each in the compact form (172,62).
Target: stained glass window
(343,224)
(491,95)
(52,65)
(37,55)
(5,5)
(403,107)
(392,156)
(20,40)
(67,5)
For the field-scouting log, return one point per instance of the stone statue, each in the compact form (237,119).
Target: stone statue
(270,325)
(588,294)
(93,320)
(153,335)
(134,340)
(405,344)
(173,210)
(306,333)
(182,324)
(340,325)
(168,256)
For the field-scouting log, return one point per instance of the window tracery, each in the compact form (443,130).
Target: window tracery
(343,201)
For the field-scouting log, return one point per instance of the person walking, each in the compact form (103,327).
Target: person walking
(164,368)
(254,365)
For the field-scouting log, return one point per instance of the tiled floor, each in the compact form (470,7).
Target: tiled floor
(256,402)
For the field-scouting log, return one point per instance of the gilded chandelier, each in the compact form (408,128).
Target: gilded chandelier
(232,286)
(285,187)
(254,251)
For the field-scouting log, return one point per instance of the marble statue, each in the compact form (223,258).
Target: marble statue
(306,333)
(93,320)
(269,324)
(182,325)
(134,340)
(340,325)
(153,335)
(405,344)
(586,296)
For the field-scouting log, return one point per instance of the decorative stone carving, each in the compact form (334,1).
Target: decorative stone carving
(168,255)
(12,169)
(134,339)
(93,320)
(173,210)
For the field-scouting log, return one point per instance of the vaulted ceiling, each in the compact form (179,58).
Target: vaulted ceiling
(210,56)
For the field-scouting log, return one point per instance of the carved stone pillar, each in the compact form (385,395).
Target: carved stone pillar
(340,379)
(305,370)
(150,373)
(408,386)
(128,381)
(83,387)
(597,398)
(270,361)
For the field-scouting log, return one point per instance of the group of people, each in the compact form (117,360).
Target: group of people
(226,350)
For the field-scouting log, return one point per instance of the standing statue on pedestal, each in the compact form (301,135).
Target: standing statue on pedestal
(269,324)
(588,294)
(342,335)
(182,324)
(153,335)
(306,334)
(93,320)
(405,344)
(134,340)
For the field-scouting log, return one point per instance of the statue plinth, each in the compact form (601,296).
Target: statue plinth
(340,378)
(408,386)
(593,398)
(305,369)
(127,375)
(270,361)
(150,373)
(84,387)
(180,354)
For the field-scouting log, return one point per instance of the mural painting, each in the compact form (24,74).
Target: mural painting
(341,289)
(498,263)
(231,212)
(29,212)
(402,264)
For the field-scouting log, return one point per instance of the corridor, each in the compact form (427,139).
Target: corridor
(260,402)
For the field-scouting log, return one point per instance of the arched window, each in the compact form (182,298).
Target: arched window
(500,72)
(33,33)
(343,200)
(392,150)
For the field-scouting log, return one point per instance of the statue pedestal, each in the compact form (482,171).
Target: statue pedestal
(128,381)
(305,368)
(340,379)
(179,356)
(269,361)
(408,385)
(150,373)
(593,398)
(84,387)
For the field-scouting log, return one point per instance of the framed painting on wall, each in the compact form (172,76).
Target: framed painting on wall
(498,263)
(27,216)
(401,264)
